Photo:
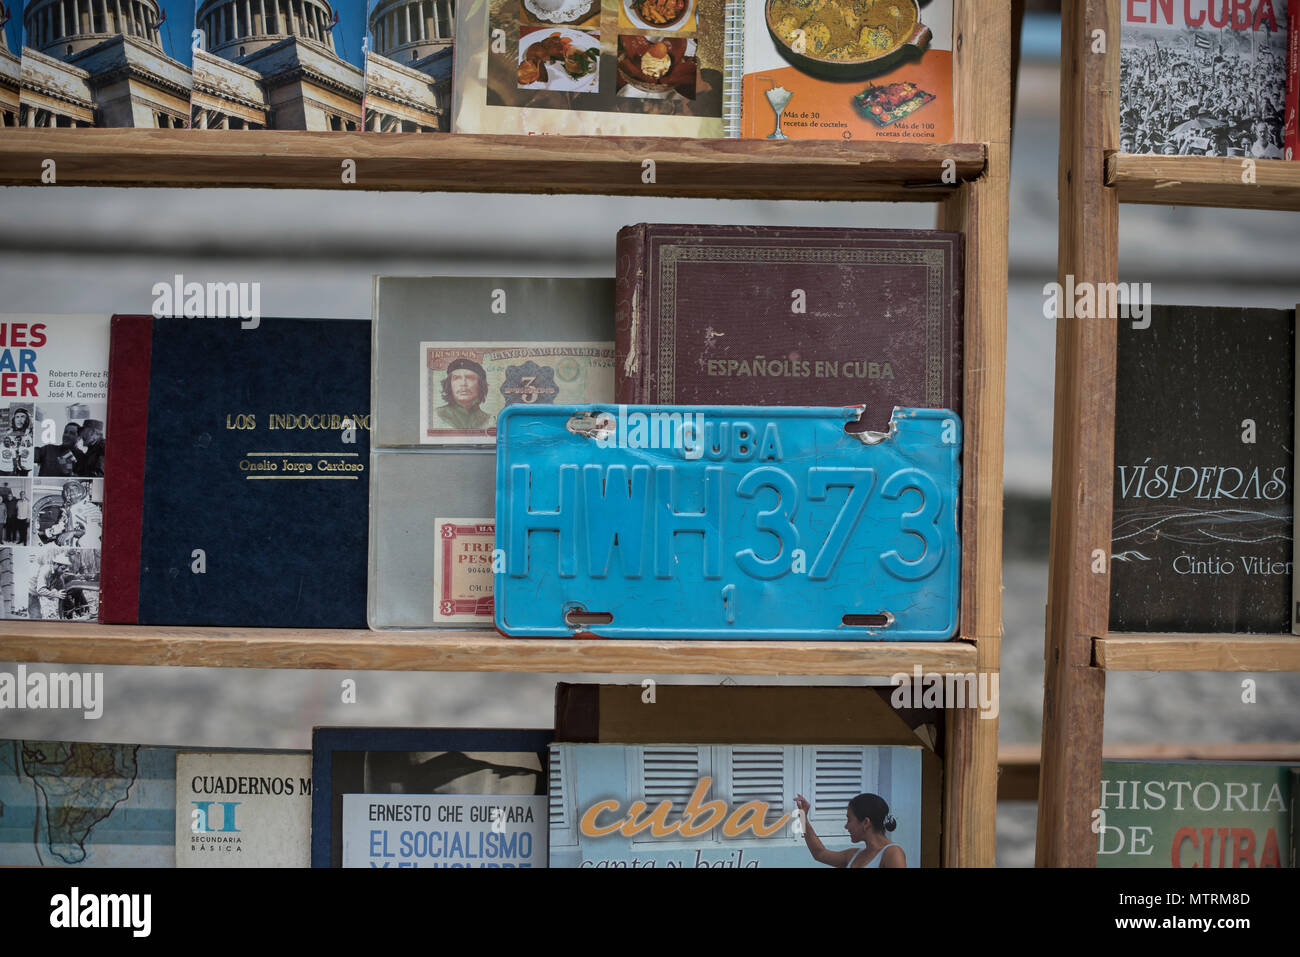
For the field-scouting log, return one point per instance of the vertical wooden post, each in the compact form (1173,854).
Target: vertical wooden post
(981,86)
(1078,596)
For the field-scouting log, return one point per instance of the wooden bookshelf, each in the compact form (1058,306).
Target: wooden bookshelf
(967,179)
(1142,652)
(72,643)
(1204,181)
(728,169)
(1094,178)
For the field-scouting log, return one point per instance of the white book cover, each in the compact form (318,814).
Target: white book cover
(444,830)
(243,810)
(53,405)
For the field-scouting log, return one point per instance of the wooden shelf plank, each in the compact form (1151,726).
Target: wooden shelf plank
(55,642)
(1203,181)
(761,169)
(1141,652)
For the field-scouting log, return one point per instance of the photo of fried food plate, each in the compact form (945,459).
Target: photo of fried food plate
(658,15)
(562,59)
(847,39)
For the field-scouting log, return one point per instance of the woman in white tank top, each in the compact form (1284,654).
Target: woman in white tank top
(868,821)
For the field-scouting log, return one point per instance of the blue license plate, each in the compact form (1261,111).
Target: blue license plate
(726,522)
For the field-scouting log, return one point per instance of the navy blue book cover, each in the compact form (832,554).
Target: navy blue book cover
(398,772)
(239,494)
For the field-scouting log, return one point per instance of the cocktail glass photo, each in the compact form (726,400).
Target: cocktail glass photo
(778,97)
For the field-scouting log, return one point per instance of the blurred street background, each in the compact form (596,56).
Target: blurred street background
(82,250)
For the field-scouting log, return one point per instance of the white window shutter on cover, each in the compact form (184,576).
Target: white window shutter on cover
(563,832)
(670,774)
(556,790)
(759,774)
(839,775)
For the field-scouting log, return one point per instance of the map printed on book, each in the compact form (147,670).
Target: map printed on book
(1203,77)
(53,407)
(88,805)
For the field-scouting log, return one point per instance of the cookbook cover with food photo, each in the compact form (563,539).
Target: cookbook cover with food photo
(845,69)
(630,67)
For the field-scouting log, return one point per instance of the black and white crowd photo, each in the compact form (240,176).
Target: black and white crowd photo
(1203,92)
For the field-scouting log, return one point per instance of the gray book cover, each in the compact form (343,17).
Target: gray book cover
(449,353)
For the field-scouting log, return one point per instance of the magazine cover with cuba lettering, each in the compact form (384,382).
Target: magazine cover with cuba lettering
(722,805)
(1203,78)
(843,70)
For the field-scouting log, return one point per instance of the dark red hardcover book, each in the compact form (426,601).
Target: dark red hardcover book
(750,315)
(130,346)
